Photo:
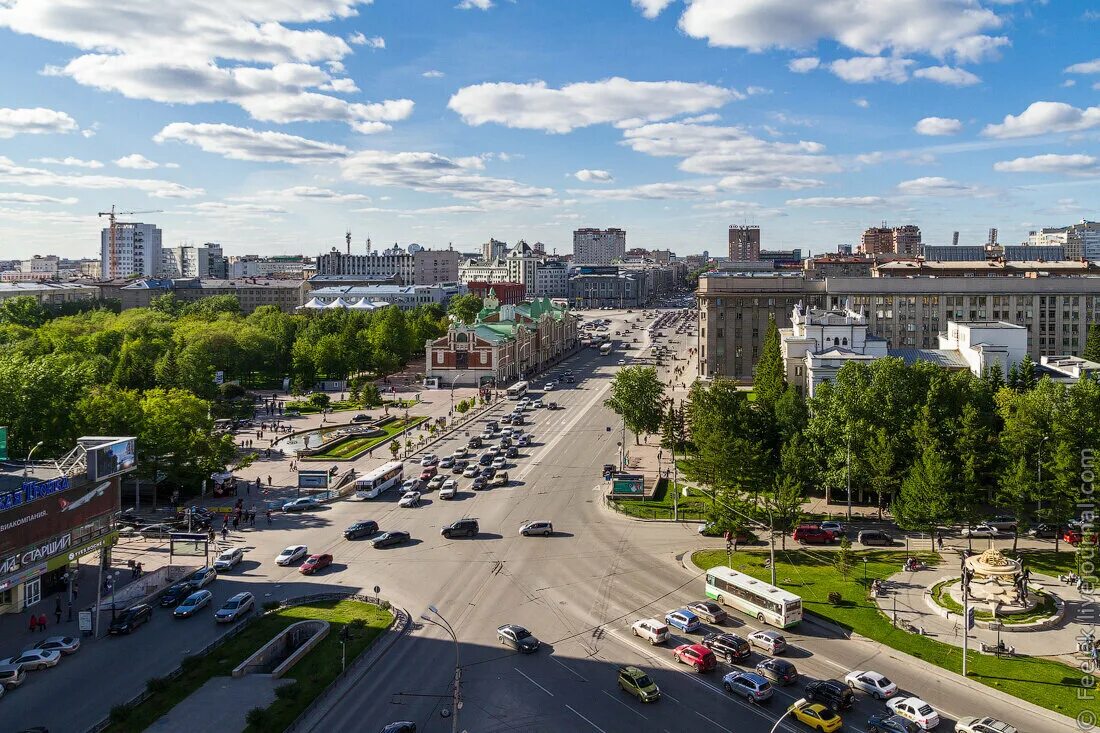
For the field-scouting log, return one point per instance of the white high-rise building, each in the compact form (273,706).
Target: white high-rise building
(137,251)
(598,246)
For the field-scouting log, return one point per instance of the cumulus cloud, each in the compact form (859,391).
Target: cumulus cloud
(1051,163)
(867,69)
(804,64)
(220,207)
(34,198)
(34,121)
(950,75)
(1041,118)
(136,161)
(1085,67)
(651,191)
(957,28)
(837,201)
(433,74)
(651,8)
(37,177)
(590,175)
(70,162)
(243,143)
(938,126)
(178,53)
(475,5)
(934,186)
(535,106)
(759,181)
(861,103)
(307,193)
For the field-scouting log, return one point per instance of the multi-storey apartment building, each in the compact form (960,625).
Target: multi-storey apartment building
(598,246)
(906,311)
(415,266)
(744,243)
(903,240)
(137,250)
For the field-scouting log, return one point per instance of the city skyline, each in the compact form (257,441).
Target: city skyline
(272,130)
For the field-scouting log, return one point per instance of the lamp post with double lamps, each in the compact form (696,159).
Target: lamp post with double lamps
(797,703)
(456,703)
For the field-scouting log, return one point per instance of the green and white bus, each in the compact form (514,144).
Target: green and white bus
(765,602)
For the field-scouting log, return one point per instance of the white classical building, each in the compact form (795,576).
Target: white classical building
(982,344)
(820,342)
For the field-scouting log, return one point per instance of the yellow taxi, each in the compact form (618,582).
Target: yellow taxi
(815,715)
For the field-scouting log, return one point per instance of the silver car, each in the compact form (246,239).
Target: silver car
(65,644)
(235,607)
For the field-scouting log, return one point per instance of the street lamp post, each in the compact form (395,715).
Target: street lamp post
(800,701)
(457,694)
(27,463)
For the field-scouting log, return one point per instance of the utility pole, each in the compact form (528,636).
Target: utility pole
(99,589)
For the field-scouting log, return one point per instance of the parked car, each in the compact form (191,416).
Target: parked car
(779,671)
(836,529)
(474,442)
(748,685)
(697,655)
(302,504)
(1003,523)
(634,681)
(235,607)
(512,452)
(130,619)
(401,726)
(428,474)
(386,539)
(292,554)
(466,527)
(361,417)
(891,724)
(449,489)
(811,534)
(833,693)
(981,530)
(651,630)
(770,641)
(472,470)
(518,638)
(709,611)
(314,563)
(682,619)
(874,684)
(411,484)
(537,527)
(874,537)
(410,499)
(193,603)
(176,593)
(1044,531)
(479,483)
(729,647)
(916,710)
(228,559)
(1075,537)
(816,716)
(363,528)
(11,676)
(460,465)
(33,659)
(65,644)
(986,724)
(447,462)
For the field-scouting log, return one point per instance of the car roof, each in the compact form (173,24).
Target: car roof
(239,596)
(631,671)
(758,679)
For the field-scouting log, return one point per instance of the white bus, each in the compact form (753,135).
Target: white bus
(517,390)
(381,479)
(605,349)
(754,597)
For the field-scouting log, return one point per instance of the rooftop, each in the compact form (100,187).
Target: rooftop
(949,359)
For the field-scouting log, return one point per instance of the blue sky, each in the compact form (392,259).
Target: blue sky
(274,125)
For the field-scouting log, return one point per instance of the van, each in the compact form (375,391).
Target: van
(874,537)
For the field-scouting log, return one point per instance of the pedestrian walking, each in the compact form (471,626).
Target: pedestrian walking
(236,522)
(248,490)
(33,626)
(269,480)
(42,622)
(57,611)
(225,531)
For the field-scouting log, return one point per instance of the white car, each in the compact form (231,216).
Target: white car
(499,464)
(411,484)
(981,530)
(770,641)
(228,559)
(65,644)
(410,499)
(429,459)
(538,527)
(916,710)
(650,629)
(472,470)
(873,683)
(447,462)
(549,386)
(291,554)
(538,404)
(34,659)
(460,453)
(971,724)
(449,489)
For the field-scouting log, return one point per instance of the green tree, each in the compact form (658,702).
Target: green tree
(108,410)
(1092,344)
(1027,376)
(842,558)
(168,304)
(995,377)
(768,381)
(177,439)
(1017,493)
(882,468)
(922,503)
(672,429)
(211,307)
(636,396)
(464,308)
(23,310)
(394,448)
(791,415)
(783,506)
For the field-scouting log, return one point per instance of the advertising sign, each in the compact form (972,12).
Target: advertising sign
(627,483)
(111,459)
(3,442)
(312,479)
(59,512)
(192,544)
(84,621)
(34,554)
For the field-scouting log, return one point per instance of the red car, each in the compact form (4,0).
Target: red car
(1074,537)
(428,473)
(811,533)
(314,563)
(696,655)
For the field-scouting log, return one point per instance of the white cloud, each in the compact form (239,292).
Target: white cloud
(475,5)
(38,177)
(867,69)
(651,8)
(1041,118)
(136,161)
(220,207)
(376,42)
(650,191)
(934,186)
(70,162)
(307,193)
(1050,163)
(837,201)
(534,106)
(804,64)
(433,74)
(33,198)
(938,126)
(1069,83)
(592,175)
(759,181)
(243,143)
(950,75)
(958,28)
(1085,67)
(861,103)
(755,91)
(34,121)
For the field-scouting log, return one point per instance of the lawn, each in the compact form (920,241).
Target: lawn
(353,447)
(693,506)
(313,672)
(941,594)
(1049,684)
(1049,562)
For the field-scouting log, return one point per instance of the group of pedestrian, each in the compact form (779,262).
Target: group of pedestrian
(38,623)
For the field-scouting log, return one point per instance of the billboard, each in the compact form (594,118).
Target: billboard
(111,459)
(313,479)
(627,483)
(56,513)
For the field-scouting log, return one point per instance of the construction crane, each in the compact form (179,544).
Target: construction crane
(111,216)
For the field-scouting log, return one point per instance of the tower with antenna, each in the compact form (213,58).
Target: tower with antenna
(368,244)
(347,240)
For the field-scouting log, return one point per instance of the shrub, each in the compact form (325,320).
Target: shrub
(257,717)
(287,692)
(120,713)
(191,662)
(834,598)
(319,399)
(157,684)
(357,624)
(271,605)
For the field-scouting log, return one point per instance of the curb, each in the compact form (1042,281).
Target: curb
(976,687)
(1057,618)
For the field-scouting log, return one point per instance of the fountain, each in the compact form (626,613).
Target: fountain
(997,580)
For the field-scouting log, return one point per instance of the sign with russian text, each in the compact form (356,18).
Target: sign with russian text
(52,513)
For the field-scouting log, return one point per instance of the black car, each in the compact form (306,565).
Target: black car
(779,671)
(891,724)
(727,646)
(488,473)
(512,452)
(130,619)
(390,538)
(361,529)
(1044,531)
(474,442)
(403,726)
(480,483)
(518,638)
(361,417)
(174,595)
(506,420)
(462,528)
(835,694)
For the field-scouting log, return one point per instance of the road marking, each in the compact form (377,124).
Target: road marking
(713,722)
(601,730)
(536,684)
(578,674)
(627,706)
